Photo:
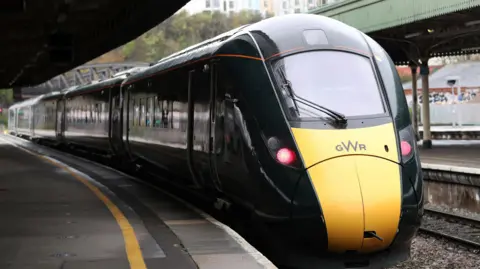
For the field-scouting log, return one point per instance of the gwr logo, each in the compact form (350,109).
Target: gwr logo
(350,146)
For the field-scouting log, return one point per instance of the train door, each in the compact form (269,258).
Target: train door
(116,140)
(127,104)
(198,128)
(215,123)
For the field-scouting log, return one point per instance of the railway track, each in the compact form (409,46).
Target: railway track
(454,227)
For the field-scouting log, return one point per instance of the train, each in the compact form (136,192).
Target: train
(299,119)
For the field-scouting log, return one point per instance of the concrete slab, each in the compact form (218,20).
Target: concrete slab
(50,219)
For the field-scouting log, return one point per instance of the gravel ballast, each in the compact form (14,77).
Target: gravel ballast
(432,253)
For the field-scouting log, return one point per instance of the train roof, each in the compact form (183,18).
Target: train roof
(52,95)
(28,102)
(276,36)
(116,79)
(130,71)
(189,54)
(279,35)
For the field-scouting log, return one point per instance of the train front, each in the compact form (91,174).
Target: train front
(350,122)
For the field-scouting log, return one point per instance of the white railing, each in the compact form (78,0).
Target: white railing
(456,114)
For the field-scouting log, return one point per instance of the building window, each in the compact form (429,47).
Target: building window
(297,10)
(231,5)
(284,5)
(265,3)
(216,3)
(297,2)
(207,3)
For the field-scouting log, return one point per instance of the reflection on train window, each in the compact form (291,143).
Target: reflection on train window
(165,114)
(149,109)
(176,115)
(344,82)
(104,116)
(141,118)
(91,113)
(135,113)
(97,113)
(157,112)
(88,116)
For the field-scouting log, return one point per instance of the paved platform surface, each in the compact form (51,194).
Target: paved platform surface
(450,128)
(453,153)
(76,214)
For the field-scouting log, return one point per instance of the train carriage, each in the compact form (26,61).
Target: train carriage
(23,117)
(46,115)
(300,120)
(92,115)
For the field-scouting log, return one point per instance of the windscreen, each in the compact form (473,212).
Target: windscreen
(340,81)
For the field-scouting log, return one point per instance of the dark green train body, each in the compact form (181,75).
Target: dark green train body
(299,119)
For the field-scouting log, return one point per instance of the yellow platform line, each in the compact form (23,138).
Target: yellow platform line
(132,247)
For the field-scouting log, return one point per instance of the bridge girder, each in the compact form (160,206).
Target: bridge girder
(78,76)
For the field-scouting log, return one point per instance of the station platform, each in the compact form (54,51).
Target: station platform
(449,132)
(456,162)
(453,153)
(69,213)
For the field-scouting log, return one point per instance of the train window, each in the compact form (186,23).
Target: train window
(176,109)
(341,81)
(92,113)
(165,114)
(75,114)
(99,113)
(89,113)
(141,118)
(148,110)
(135,112)
(157,112)
(103,112)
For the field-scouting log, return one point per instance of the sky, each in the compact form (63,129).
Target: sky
(194,6)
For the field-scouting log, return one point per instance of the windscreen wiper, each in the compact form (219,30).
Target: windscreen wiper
(339,117)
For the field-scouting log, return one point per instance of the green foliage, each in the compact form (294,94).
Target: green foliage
(405,78)
(183,30)
(6,99)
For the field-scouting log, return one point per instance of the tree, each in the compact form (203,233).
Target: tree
(6,100)
(178,32)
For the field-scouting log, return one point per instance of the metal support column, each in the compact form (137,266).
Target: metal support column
(414,67)
(427,136)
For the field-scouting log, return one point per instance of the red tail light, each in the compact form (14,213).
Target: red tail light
(406,148)
(285,156)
